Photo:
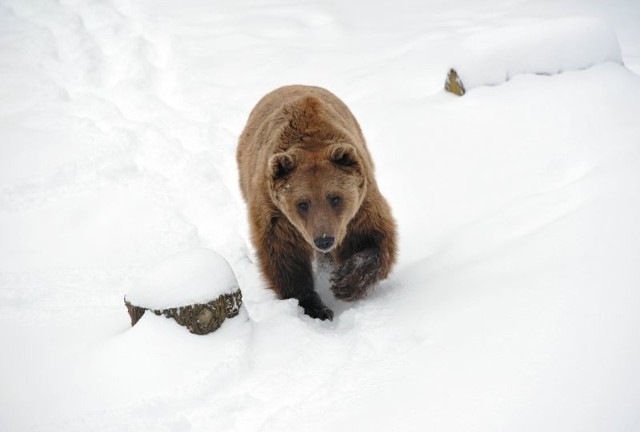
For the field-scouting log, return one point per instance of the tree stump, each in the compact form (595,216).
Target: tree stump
(546,48)
(196,288)
(199,319)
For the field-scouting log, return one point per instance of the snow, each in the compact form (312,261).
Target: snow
(548,47)
(195,276)
(515,303)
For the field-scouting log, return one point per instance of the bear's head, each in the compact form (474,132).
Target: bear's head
(319,191)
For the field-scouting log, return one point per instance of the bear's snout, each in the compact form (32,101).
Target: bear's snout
(324,243)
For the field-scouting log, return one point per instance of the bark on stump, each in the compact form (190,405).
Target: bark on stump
(453,84)
(199,319)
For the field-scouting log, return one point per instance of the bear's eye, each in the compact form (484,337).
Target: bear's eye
(335,201)
(303,206)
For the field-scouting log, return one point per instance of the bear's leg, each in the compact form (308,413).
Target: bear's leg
(287,268)
(294,279)
(363,260)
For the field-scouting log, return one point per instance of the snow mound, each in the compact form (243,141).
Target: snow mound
(192,277)
(546,48)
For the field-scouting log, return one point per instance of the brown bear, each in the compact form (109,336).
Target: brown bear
(308,180)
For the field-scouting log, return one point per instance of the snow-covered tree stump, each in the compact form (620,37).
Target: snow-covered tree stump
(196,288)
(546,48)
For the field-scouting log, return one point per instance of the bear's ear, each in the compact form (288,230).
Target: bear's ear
(344,155)
(280,165)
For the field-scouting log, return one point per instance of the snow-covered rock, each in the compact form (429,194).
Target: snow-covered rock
(545,48)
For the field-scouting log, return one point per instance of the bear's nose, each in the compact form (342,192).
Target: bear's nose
(324,242)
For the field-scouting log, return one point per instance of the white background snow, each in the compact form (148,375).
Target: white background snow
(515,304)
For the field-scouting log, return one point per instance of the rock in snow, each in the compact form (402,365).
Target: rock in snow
(545,48)
(197,288)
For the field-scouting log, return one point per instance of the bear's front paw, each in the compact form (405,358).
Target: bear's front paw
(314,307)
(351,280)
(323,313)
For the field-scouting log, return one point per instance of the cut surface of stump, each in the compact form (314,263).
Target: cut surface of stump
(196,288)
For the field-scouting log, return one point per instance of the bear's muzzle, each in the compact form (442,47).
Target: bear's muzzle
(324,243)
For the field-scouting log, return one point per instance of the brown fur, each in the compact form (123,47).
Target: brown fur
(307,177)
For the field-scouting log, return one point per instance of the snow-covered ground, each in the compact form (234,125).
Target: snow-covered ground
(516,301)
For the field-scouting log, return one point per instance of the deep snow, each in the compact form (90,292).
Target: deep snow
(516,301)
